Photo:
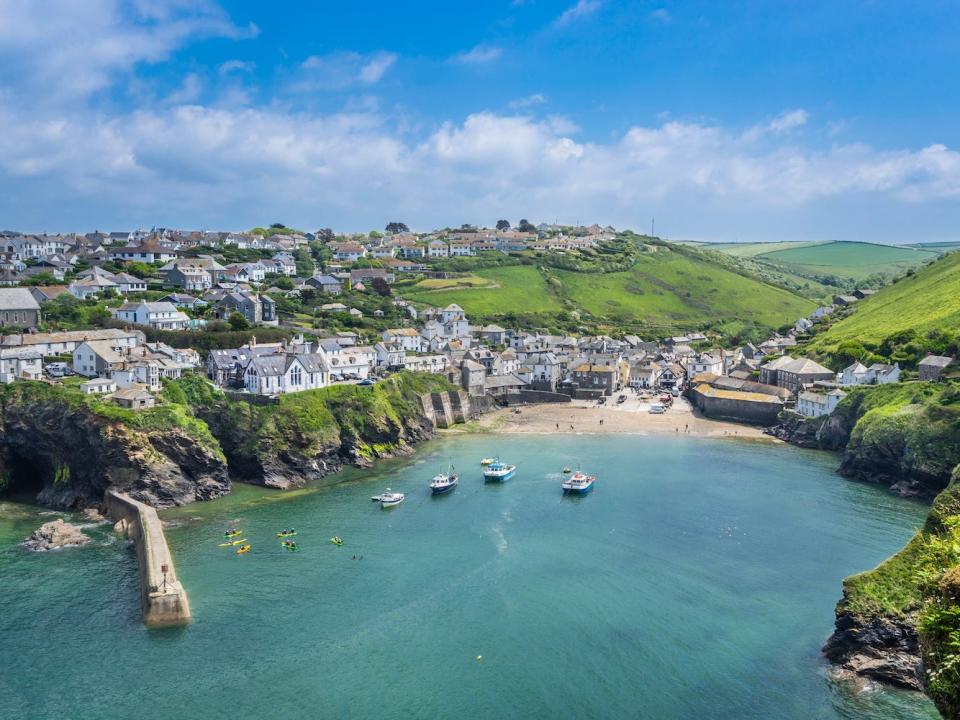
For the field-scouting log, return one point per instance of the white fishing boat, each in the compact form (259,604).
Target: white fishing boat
(391,499)
(578,484)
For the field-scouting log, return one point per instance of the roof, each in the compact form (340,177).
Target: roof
(586,367)
(68,336)
(17,299)
(806,366)
(278,364)
(936,361)
(708,391)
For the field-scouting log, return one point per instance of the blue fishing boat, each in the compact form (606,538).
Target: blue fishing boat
(444,482)
(498,471)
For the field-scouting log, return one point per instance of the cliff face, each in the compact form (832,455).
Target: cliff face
(70,455)
(308,436)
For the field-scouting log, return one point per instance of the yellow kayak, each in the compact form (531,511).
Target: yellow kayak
(243,549)
(235,542)
(233,533)
(336,541)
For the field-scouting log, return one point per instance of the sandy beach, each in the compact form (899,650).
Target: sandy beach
(631,417)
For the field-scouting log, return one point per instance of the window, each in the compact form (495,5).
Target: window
(295,376)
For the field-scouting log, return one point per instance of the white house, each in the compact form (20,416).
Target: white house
(347,363)
(390,355)
(98,386)
(705,363)
(812,404)
(20,363)
(644,375)
(407,338)
(438,248)
(282,373)
(159,315)
(426,363)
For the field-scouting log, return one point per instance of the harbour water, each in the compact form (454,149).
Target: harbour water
(698,580)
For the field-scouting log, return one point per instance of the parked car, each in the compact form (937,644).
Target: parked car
(57,369)
(657,409)
(365,382)
(675,392)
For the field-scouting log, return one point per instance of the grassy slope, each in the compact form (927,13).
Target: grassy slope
(928,300)
(665,288)
(849,259)
(674,289)
(755,249)
(513,288)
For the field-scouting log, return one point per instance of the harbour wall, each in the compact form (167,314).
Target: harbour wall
(745,409)
(523,397)
(162,598)
(445,409)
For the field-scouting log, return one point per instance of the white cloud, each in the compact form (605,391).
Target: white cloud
(661,15)
(528,101)
(72,49)
(479,55)
(236,66)
(188,92)
(182,165)
(339,71)
(582,9)
(789,119)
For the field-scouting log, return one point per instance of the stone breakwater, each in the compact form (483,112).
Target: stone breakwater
(162,597)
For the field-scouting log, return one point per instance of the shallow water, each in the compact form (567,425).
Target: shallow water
(697,581)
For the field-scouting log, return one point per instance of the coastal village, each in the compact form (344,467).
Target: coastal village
(163,283)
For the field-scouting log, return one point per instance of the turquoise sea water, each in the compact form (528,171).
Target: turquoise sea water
(697,581)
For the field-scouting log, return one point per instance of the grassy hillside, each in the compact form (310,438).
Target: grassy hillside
(661,288)
(678,290)
(923,306)
(853,260)
(495,291)
(758,248)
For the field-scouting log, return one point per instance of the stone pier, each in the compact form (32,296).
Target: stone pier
(162,597)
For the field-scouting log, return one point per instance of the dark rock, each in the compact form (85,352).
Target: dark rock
(70,456)
(884,649)
(55,534)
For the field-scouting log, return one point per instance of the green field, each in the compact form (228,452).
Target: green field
(674,289)
(758,248)
(928,300)
(668,289)
(516,288)
(853,260)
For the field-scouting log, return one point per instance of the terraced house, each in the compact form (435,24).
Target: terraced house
(282,373)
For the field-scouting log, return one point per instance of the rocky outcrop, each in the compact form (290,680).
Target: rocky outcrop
(302,455)
(55,534)
(882,648)
(69,456)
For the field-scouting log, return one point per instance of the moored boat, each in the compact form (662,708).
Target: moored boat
(488,461)
(578,484)
(444,482)
(498,471)
(391,499)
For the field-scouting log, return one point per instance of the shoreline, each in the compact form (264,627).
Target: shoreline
(582,417)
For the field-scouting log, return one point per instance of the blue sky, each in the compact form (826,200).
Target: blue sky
(726,121)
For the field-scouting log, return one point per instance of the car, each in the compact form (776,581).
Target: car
(366,382)
(675,392)
(621,399)
(657,409)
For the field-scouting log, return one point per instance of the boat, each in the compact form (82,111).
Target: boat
(391,499)
(290,545)
(287,533)
(232,533)
(233,543)
(336,540)
(567,471)
(578,484)
(243,549)
(488,461)
(498,472)
(444,482)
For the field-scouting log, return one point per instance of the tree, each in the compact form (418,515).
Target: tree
(277,226)
(396,227)
(380,287)
(526,226)
(139,269)
(284,283)
(503,224)
(238,322)
(326,235)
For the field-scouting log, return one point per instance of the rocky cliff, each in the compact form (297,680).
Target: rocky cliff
(310,435)
(68,451)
